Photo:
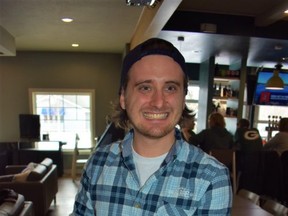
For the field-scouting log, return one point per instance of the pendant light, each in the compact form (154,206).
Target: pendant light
(275,82)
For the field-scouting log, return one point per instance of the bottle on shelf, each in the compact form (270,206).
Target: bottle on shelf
(237,73)
(225,91)
(220,90)
(217,92)
(228,91)
(228,73)
(214,89)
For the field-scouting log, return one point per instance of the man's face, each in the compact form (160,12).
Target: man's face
(154,98)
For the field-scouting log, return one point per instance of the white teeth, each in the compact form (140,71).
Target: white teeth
(155,115)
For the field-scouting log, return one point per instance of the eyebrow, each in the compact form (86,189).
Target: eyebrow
(141,82)
(150,81)
(173,82)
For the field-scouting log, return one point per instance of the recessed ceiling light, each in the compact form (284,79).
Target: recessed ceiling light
(75,45)
(67,20)
(286,11)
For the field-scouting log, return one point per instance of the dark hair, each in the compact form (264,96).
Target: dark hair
(283,125)
(216,120)
(119,116)
(243,123)
(187,115)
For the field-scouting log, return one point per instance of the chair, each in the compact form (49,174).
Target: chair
(79,158)
(36,182)
(249,169)
(284,187)
(272,175)
(253,197)
(228,158)
(275,208)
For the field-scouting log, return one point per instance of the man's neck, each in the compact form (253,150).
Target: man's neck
(152,147)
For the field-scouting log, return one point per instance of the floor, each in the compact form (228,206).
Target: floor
(64,198)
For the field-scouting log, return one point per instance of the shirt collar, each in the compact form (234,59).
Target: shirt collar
(126,146)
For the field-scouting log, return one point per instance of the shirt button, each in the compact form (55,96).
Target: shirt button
(137,205)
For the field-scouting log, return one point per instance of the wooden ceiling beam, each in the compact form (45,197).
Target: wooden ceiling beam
(272,15)
(152,20)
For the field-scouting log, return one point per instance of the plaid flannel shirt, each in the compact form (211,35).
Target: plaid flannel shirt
(189,182)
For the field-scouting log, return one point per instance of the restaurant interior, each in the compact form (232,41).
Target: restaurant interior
(75,48)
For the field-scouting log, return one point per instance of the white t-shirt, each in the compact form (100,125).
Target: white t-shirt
(146,166)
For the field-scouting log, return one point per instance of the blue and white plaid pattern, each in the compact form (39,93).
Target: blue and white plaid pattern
(189,182)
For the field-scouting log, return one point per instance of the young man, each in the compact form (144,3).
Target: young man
(153,171)
(247,139)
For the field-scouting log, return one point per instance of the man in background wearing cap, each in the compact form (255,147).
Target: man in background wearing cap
(152,171)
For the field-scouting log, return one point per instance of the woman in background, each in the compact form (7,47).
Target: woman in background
(215,137)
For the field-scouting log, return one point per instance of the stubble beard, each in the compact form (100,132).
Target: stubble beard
(153,132)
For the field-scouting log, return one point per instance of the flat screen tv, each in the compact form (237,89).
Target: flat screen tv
(265,96)
(29,126)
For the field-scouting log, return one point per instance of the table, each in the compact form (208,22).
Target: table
(242,206)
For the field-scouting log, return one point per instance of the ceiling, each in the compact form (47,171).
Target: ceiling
(105,26)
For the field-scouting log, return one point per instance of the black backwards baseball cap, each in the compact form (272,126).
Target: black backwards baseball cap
(153,46)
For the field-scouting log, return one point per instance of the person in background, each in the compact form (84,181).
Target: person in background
(214,137)
(187,124)
(152,171)
(279,142)
(246,138)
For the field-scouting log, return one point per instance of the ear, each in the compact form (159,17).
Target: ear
(122,100)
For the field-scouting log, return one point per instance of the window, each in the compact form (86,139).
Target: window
(65,113)
(262,114)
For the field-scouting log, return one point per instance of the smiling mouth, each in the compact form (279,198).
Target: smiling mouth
(155,115)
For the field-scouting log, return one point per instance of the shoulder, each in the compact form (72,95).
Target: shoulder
(206,175)
(103,155)
(227,132)
(193,156)
(204,132)
(279,137)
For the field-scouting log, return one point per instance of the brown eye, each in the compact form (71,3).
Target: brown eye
(144,88)
(171,88)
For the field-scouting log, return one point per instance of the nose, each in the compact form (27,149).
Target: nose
(157,99)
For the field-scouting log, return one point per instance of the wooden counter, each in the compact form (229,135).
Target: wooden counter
(245,207)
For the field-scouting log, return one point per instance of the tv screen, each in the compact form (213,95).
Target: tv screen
(265,96)
(29,126)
